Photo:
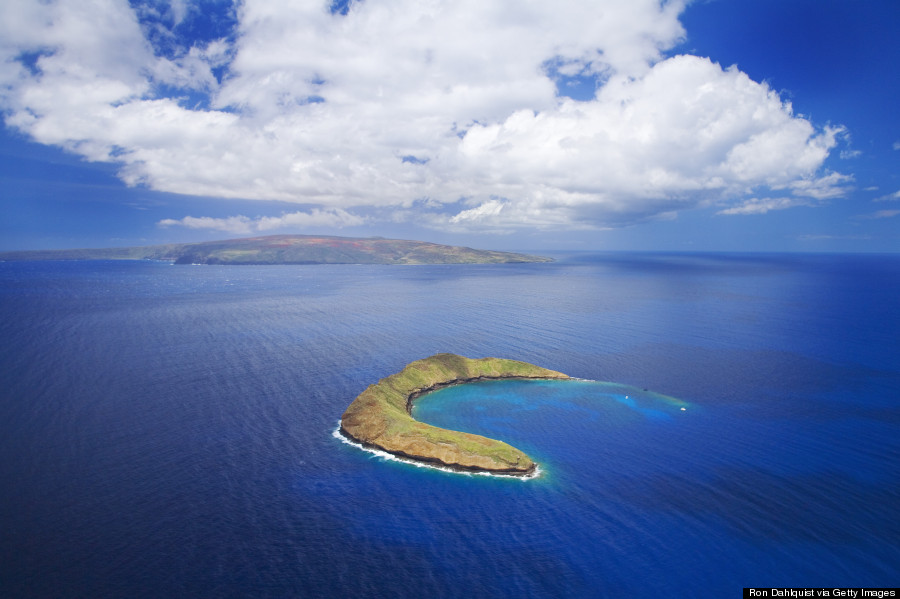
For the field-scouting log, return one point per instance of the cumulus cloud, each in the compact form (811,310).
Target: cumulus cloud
(243,225)
(413,107)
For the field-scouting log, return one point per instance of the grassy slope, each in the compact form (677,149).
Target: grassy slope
(379,416)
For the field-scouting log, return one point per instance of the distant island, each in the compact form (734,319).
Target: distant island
(380,417)
(289,249)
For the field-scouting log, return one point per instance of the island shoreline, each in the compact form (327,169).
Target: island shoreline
(297,250)
(344,437)
(380,418)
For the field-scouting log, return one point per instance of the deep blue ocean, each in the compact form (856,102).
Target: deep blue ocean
(167,431)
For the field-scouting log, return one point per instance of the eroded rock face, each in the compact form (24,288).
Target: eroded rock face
(380,416)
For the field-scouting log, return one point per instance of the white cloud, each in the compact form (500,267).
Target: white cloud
(404,100)
(179,10)
(763,205)
(232,224)
(880,214)
(834,237)
(485,211)
(243,225)
(316,218)
(827,186)
(807,191)
(890,197)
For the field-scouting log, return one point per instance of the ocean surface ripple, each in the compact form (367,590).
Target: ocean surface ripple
(168,431)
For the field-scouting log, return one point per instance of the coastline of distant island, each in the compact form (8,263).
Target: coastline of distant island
(289,249)
(381,416)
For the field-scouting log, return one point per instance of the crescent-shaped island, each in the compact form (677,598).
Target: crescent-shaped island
(381,416)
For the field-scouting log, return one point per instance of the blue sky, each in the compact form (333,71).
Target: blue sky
(757,125)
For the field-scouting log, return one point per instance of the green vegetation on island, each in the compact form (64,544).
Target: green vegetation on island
(380,417)
(289,249)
